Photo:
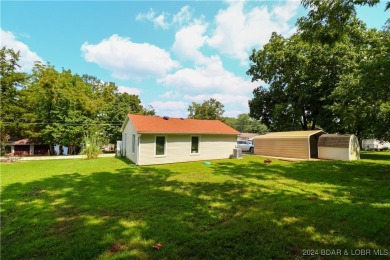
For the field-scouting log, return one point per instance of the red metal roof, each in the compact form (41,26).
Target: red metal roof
(156,124)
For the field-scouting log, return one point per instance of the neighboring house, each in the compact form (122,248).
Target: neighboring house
(26,147)
(150,140)
(372,144)
(293,144)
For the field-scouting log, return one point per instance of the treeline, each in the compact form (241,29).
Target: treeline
(332,74)
(212,109)
(60,107)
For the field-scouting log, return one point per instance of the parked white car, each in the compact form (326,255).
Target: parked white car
(245,146)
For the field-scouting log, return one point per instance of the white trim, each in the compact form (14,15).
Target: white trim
(125,141)
(165,146)
(139,148)
(133,143)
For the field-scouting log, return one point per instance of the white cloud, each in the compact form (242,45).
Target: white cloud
(188,41)
(168,105)
(238,100)
(210,77)
(146,16)
(164,20)
(238,31)
(170,94)
(183,16)
(128,60)
(129,90)
(158,21)
(234,113)
(27,57)
(287,11)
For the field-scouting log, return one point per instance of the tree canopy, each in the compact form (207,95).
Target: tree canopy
(331,74)
(210,109)
(60,107)
(245,124)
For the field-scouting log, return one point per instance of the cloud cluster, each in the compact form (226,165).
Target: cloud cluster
(27,57)
(209,77)
(129,60)
(235,30)
(165,20)
(238,31)
(129,90)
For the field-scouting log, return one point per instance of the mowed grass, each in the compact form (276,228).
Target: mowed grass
(109,208)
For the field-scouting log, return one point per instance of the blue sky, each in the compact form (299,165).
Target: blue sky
(170,53)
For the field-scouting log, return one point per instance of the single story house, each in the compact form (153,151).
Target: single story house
(148,140)
(292,144)
(338,147)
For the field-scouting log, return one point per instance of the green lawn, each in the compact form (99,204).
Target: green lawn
(108,208)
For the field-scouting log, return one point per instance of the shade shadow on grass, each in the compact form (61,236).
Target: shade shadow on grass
(240,209)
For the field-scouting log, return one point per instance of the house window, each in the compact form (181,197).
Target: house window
(133,143)
(194,144)
(160,145)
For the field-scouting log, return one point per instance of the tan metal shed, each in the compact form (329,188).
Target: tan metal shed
(292,144)
(338,147)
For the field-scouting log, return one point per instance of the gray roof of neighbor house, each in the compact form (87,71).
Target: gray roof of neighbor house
(247,135)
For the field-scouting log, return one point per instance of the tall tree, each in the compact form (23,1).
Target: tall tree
(362,96)
(59,103)
(12,80)
(324,75)
(210,109)
(300,76)
(117,112)
(326,20)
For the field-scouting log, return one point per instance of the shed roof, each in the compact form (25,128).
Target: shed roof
(156,124)
(24,141)
(289,134)
(334,140)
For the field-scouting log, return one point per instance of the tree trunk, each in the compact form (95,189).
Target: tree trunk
(70,149)
(313,126)
(51,149)
(61,150)
(304,119)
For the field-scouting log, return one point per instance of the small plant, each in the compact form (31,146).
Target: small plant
(92,145)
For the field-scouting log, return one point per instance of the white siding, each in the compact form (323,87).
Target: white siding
(127,142)
(333,153)
(178,148)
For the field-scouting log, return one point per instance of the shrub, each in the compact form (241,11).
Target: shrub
(92,145)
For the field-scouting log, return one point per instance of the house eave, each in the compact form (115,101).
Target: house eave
(188,133)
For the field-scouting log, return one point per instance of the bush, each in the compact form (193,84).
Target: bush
(92,145)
